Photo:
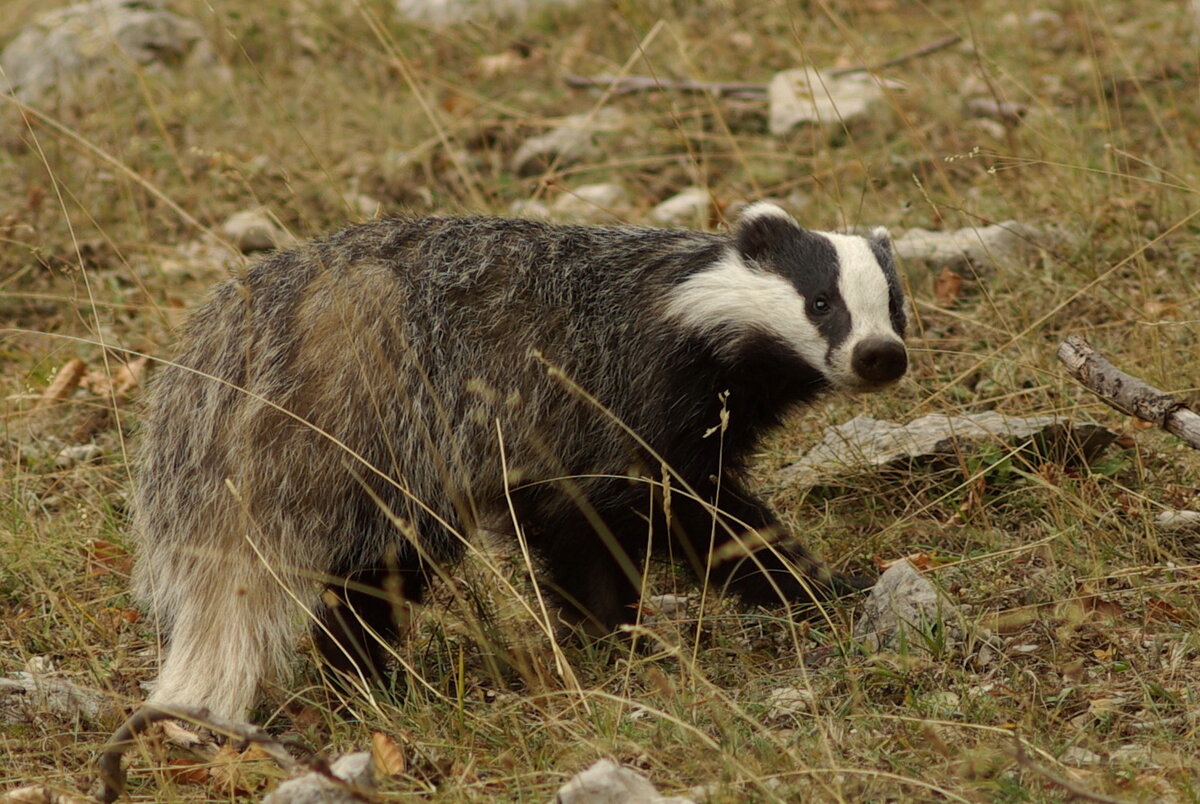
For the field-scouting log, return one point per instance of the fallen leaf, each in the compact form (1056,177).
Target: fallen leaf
(104,557)
(1159,610)
(189,771)
(388,755)
(242,772)
(64,382)
(946,287)
(921,561)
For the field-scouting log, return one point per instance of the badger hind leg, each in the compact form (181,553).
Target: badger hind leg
(226,634)
(363,611)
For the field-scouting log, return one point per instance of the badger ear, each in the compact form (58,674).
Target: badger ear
(760,227)
(881,245)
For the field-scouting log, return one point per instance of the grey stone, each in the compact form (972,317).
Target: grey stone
(805,96)
(690,207)
(38,689)
(65,46)
(591,203)
(572,141)
(254,230)
(977,248)
(357,770)
(606,782)
(864,443)
(439,13)
(902,612)
(1178,521)
(77,454)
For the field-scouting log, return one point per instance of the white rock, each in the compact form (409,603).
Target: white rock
(590,203)
(690,207)
(529,208)
(77,454)
(901,611)
(1178,521)
(355,769)
(88,39)
(439,13)
(253,230)
(669,605)
(805,96)
(866,443)
(24,695)
(1075,755)
(362,205)
(203,258)
(606,782)
(942,703)
(790,701)
(981,248)
(573,140)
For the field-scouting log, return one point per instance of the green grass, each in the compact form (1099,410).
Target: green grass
(1095,612)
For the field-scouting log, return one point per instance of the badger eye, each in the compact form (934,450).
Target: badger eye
(820,305)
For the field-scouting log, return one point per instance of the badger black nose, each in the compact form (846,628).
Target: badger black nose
(879,360)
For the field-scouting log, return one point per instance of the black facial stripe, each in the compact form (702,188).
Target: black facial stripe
(882,249)
(806,259)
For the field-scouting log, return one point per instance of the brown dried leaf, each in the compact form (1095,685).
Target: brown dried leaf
(1160,610)
(388,755)
(920,561)
(242,772)
(104,557)
(189,771)
(947,287)
(124,379)
(64,382)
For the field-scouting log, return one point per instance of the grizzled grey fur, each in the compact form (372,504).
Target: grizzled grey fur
(348,410)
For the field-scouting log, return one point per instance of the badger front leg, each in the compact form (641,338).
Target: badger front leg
(738,542)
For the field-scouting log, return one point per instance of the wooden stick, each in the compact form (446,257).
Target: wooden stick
(112,775)
(621,85)
(1128,394)
(932,47)
(625,84)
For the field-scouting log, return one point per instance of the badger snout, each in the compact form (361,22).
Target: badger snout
(879,361)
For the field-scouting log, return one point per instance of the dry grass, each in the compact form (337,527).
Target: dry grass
(1095,610)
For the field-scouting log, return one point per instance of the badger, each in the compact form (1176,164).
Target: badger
(346,416)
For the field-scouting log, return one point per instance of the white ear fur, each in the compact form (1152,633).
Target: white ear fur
(763,209)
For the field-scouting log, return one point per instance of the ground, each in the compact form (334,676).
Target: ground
(323,112)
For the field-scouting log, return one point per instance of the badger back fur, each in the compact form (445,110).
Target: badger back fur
(359,406)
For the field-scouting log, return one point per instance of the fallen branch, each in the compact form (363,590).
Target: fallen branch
(625,84)
(112,775)
(932,47)
(1128,394)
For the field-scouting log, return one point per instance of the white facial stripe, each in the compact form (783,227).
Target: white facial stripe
(865,292)
(731,302)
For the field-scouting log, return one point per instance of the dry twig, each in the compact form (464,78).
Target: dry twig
(1126,393)
(112,775)
(624,84)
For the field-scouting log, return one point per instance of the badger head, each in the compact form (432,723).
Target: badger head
(832,300)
